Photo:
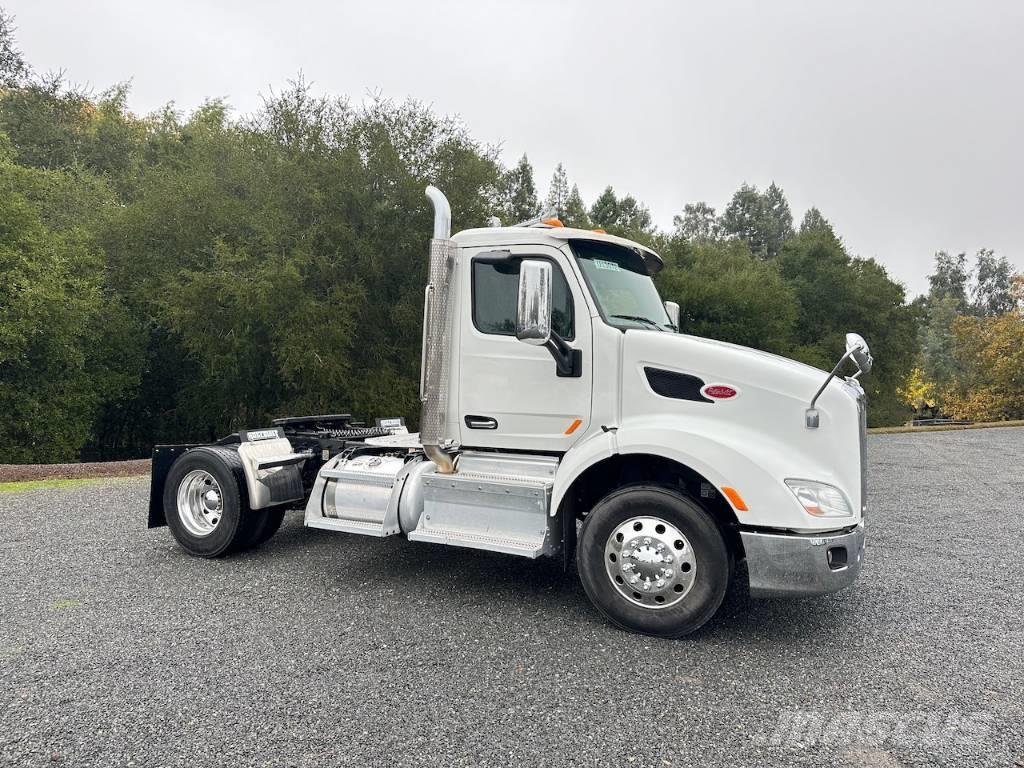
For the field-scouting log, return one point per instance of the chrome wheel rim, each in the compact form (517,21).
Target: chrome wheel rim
(200,502)
(650,562)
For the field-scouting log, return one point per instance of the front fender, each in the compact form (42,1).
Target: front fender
(753,463)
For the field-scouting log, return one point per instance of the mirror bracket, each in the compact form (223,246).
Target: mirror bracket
(811,414)
(568,361)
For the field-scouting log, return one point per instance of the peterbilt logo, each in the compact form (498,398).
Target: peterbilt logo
(719,391)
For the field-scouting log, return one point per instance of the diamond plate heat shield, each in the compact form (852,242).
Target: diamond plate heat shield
(437,337)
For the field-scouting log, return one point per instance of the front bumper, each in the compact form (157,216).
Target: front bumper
(799,565)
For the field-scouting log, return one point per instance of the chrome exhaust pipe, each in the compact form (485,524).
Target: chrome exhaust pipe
(442,213)
(436,339)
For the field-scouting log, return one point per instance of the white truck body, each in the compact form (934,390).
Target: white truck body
(527,431)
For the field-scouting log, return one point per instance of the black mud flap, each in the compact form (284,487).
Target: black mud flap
(164,457)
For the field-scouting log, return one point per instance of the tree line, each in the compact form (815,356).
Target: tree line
(173,277)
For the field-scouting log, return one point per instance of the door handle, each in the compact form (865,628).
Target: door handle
(481,422)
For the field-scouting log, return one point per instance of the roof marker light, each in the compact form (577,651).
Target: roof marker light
(553,222)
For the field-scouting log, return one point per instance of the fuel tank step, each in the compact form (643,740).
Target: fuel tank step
(497,502)
(526,547)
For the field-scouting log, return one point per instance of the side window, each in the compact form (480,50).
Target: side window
(496,294)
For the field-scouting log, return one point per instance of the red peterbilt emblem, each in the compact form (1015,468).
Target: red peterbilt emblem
(719,391)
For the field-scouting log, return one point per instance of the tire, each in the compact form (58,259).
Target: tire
(270,520)
(677,555)
(208,525)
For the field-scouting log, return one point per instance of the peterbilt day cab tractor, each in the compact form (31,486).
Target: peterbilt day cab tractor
(564,416)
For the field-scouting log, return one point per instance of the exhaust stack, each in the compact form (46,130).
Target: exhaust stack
(435,360)
(442,213)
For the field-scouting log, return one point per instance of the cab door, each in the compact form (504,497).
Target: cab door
(510,393)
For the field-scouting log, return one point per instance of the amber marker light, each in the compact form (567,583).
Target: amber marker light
(735,498)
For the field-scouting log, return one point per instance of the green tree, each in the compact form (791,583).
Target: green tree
(837,294)
(815,222)
(625,217)
(13,70)
(990,357)
(725,293)
(993,285)
(605,210)
(777,220)
(63,346)
(518,193)
(634,218)
(937,345)
(558,192)
(763,221)
(698,223)
(950,278)
(251,250)
(576,211)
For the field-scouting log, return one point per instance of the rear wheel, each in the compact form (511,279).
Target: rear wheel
(270,521)
(653,561)
(205,504)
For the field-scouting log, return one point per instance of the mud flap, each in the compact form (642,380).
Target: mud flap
(164,457)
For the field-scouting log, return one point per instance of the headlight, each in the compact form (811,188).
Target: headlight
(820,499)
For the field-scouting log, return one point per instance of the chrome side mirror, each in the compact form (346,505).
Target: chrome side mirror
(858,349)
(533,317)
(672,308)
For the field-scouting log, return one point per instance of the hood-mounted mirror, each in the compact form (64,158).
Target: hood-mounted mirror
(858,351)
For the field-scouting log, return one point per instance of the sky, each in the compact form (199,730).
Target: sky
(903,122)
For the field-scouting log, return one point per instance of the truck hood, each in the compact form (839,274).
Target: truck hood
(666,384)
(722,362)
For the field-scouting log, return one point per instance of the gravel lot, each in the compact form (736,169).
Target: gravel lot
(320,648)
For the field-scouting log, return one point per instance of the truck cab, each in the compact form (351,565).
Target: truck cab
(564,415)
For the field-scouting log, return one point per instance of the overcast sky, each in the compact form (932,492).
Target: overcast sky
(903,122)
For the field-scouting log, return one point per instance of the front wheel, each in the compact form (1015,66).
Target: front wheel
(653,561)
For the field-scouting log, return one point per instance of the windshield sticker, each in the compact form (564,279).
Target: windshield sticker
(609,265)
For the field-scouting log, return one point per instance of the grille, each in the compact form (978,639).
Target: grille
(862,412)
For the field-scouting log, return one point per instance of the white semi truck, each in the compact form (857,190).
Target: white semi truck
(564,416)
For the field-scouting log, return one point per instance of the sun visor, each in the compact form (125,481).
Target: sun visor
(651,259)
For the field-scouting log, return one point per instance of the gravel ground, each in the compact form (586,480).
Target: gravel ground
(319,649)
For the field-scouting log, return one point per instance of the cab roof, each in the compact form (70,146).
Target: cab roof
(548,235)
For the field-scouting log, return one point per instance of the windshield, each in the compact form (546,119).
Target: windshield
(619,282)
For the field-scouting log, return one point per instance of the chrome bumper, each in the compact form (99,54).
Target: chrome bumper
(799,565)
